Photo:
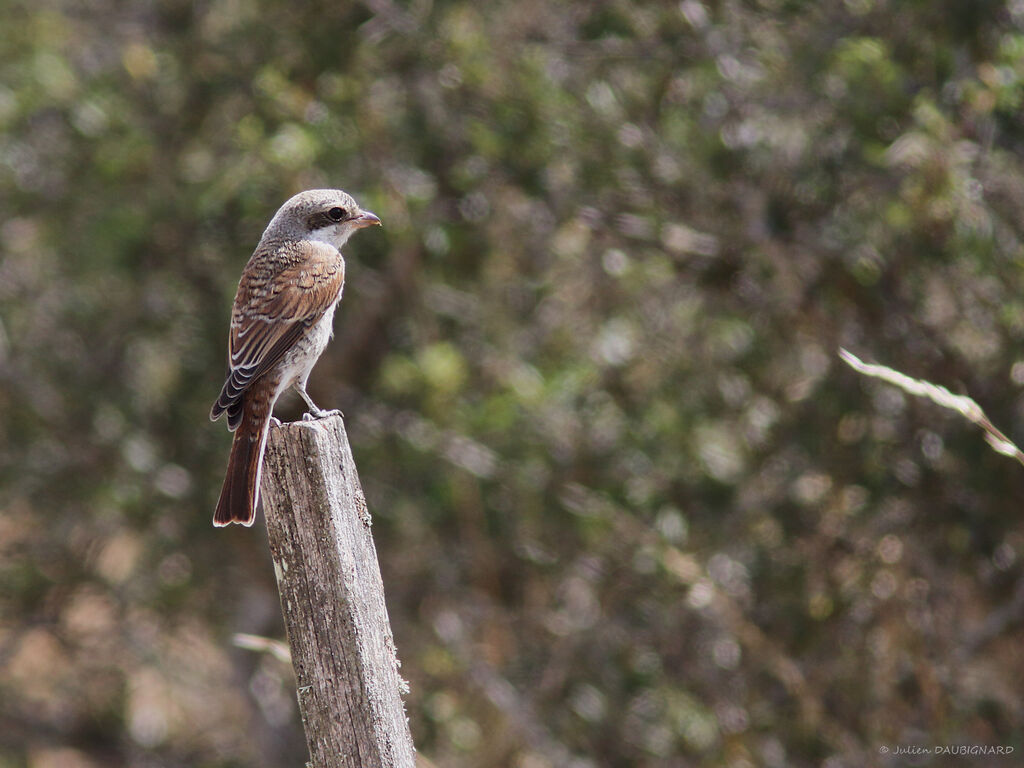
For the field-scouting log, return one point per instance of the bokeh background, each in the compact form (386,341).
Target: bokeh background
(630,508)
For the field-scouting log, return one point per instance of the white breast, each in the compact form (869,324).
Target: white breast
(300,359)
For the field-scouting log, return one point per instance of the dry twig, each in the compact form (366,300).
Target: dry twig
(962,404)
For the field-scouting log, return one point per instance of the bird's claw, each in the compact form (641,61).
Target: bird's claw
(275,422)
(320,414)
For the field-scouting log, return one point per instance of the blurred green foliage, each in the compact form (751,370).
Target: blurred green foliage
(630,509)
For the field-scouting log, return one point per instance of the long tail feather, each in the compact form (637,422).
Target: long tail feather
(239,496)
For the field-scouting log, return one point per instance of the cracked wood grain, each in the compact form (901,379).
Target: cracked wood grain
(343,652)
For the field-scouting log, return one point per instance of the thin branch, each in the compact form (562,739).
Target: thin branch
(275,648)
(962,404)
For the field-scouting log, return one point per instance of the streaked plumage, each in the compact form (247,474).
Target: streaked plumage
(281,322)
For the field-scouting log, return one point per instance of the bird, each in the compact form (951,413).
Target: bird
(281,321)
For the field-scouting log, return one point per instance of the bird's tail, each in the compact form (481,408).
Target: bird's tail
(240,494)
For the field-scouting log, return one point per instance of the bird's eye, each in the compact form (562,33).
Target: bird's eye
(336,214)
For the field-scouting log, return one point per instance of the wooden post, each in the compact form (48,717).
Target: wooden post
(332,596)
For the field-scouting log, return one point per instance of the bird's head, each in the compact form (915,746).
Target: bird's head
(327,215)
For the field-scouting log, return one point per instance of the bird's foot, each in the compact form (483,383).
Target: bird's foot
(275,422)
(319,413)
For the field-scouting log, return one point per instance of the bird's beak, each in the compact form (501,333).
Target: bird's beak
(366,219)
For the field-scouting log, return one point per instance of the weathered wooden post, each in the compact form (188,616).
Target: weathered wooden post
(332,596)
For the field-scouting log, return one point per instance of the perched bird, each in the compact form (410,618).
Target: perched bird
(281,322)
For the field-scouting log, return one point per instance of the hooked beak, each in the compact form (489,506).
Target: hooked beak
(366,219)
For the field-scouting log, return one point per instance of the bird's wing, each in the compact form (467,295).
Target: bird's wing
(273,309)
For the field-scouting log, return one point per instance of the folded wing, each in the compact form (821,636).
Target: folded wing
(273,310)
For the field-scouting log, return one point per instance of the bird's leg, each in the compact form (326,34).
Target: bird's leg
(315,412)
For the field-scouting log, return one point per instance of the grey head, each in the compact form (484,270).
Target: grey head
(328,215)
